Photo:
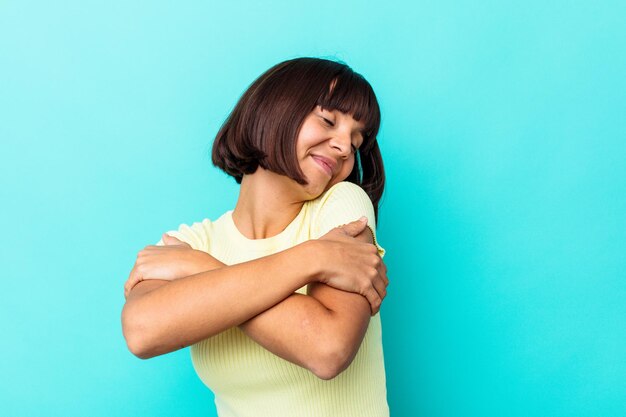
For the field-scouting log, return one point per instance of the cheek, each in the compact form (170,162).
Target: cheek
(305,142)
(347,169)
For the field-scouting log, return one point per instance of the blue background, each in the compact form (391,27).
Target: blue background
(503,133)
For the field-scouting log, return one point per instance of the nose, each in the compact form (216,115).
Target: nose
(342,143)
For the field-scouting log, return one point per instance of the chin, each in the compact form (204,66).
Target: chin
(314,190)
(313,194)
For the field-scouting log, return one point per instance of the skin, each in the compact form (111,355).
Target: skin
(320,331)
(268,202)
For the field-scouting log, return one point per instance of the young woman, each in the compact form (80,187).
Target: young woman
(279,297)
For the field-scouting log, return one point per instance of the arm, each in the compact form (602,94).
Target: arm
(321,332)
(163,316)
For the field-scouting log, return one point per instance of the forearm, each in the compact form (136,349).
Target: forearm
(305,331)
(187,310)
(311,334)
(321,331)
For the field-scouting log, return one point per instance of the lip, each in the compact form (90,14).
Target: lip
(326,163)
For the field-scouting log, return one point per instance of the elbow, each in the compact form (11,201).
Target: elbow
(332,360)
(136,347)
(135,333)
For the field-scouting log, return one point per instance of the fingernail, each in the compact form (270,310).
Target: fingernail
(363,219)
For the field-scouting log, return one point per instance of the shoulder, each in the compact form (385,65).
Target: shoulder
(343,203)
(344,195)
(343,190)
(344,199)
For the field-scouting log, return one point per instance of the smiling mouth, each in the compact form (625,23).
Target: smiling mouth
(324,166)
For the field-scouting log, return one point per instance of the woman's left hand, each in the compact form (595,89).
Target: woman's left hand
(174,260)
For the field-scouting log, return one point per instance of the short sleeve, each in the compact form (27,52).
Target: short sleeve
(343,203)
(196,235)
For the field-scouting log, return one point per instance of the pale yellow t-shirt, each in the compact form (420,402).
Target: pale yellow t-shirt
(250,381)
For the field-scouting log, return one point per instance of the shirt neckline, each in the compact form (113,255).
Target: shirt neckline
(263,243)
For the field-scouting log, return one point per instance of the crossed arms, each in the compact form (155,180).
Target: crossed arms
(320,331)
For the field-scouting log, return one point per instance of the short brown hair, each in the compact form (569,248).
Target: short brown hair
(263,127)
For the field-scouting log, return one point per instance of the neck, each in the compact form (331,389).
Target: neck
(266,204)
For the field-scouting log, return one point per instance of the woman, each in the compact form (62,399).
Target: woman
(275,296)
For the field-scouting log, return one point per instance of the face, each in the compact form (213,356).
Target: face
(326,147)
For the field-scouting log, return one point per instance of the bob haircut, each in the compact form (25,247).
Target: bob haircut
(263,127)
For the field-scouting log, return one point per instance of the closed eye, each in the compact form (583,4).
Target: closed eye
(330,123)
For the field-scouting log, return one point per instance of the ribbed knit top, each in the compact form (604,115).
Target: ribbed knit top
(250,381)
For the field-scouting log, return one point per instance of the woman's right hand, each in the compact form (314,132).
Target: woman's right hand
(350,264)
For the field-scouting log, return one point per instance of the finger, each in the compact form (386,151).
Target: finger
(128,285)
(133,279)
(171,240)
(382,271)
(374,299)
(375,309)
(379,285)
(355,227)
